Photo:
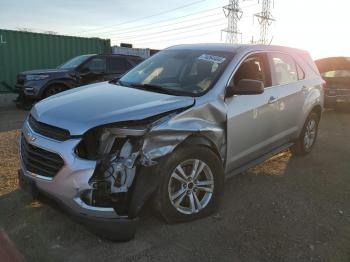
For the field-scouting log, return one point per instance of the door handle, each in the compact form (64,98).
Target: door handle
(272,100)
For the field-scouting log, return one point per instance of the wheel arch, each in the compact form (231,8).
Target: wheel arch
(62,82)
(201,140)
(318,110)
(147,181)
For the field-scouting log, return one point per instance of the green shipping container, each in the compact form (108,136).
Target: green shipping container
(21,51)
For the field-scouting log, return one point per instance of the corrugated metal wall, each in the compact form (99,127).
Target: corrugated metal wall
(21,51)
(142,52)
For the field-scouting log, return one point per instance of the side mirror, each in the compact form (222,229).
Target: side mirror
(246,87)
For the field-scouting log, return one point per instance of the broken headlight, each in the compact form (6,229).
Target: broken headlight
(116,150)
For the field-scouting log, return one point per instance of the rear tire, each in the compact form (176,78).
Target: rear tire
(53,90)
(308,136)
(184,195)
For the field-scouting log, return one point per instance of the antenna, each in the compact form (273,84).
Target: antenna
(233,13)
(265,19)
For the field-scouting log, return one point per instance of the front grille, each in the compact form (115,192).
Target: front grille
(40,161)
(48,130)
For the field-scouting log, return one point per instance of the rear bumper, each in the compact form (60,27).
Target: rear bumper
(334,97)
(332,101)
(116,229)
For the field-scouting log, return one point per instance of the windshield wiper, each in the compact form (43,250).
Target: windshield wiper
(156,88)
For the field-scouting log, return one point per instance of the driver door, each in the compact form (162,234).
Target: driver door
(251,119)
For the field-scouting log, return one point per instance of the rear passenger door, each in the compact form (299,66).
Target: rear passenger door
(117,66)
(287,78)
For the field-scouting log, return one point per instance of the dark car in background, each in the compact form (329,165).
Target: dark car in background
(336,72)
(81,70)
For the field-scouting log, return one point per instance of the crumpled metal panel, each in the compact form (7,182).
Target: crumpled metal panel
(207,121)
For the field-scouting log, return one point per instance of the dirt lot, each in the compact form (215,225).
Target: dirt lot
(286,209)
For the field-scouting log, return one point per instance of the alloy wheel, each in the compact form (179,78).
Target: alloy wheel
(310,134)
(191,186)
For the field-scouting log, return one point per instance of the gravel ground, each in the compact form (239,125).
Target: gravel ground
(286,209)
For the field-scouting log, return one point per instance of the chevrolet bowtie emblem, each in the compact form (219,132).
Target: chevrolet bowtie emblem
(30,137)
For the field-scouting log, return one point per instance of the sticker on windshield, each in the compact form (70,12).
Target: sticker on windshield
(212,58)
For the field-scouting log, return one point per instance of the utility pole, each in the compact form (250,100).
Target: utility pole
(233,13)
(265,19)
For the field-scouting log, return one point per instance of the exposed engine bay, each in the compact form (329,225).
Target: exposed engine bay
(118,153)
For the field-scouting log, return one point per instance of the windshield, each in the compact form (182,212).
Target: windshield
(74,62)
(188,72)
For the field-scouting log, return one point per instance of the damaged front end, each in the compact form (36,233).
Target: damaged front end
(125,176)
(128,154)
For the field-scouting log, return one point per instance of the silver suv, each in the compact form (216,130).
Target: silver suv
(170,130)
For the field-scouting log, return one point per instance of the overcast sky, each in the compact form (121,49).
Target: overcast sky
(319,26)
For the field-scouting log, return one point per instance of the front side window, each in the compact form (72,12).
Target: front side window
(97,64)
(189,72)
(74,62)
(283,69)
(254,68)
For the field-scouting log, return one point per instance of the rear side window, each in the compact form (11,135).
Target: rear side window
(284,69)
(119,65)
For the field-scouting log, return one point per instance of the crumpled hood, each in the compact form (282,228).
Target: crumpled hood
(44,71)
(83,108)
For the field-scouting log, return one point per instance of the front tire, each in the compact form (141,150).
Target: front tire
(191,184)
(308,136)
(53,90)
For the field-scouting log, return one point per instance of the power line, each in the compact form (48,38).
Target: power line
(154,27)
(174,39)
(160,26)
(187,31)
(145,17)
(141,28)
(169,30)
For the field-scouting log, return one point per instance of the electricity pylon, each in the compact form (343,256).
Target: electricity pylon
(265,19)
(233,13)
